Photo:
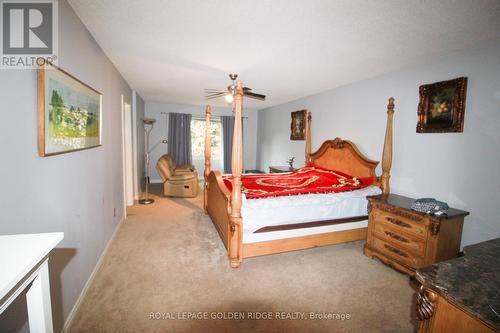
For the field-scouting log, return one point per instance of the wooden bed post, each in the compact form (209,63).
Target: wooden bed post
(308,138)
(387,154)
(235,220)
(208,154)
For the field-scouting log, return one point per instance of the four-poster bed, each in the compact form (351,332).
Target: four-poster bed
(223,203)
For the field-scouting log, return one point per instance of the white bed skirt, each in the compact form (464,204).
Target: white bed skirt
(259,213)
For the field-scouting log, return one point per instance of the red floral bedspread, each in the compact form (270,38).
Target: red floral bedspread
(309,179)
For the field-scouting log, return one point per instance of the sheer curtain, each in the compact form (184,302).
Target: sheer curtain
(227,139)
(179,138)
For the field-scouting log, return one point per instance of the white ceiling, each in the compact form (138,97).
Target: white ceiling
(171,50)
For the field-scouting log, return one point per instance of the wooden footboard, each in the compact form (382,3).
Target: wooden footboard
(217,205)
(303,242)
(218,208)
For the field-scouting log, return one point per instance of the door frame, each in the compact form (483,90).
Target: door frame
(127,154)
(137,178)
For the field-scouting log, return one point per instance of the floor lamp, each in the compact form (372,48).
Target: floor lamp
(148,127)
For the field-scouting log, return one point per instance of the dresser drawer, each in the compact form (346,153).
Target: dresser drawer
(407,241)
(397,254)
(400,223)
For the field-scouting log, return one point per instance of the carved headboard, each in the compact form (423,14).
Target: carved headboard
(344,156)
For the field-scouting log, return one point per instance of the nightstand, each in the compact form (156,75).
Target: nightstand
(280,169)
(253,171)
(406,239)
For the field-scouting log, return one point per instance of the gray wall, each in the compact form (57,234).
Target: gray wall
(460,169)
(76,192)
(160,131)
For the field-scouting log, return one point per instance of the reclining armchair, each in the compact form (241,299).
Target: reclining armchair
(178,181)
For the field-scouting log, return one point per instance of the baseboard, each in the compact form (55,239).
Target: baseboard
(74,310)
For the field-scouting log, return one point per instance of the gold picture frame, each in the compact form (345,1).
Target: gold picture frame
(69,112)
(442,106)
(298,125)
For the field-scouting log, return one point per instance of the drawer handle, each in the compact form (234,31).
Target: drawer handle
(397,251)
(398,222)
(396,236)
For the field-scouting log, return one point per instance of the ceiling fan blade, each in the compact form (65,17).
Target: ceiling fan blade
(212,97)
(213,90)
(246,89)
(216,94)
(254,95)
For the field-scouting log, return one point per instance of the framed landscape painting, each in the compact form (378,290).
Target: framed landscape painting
(298,126)
(442,106)
(69,112)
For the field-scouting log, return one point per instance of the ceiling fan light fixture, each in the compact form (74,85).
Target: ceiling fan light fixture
(230,92)
(229,98)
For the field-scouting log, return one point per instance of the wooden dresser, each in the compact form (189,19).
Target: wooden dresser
(406,239)
(461,295)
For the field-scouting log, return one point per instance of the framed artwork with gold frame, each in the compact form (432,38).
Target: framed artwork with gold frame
(442,106)
(298,126)
(69,112)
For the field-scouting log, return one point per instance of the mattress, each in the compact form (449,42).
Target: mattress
(259,213)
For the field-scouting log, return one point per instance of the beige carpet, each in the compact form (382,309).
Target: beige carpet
(167,261)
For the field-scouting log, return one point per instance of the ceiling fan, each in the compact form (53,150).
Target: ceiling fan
(231,90)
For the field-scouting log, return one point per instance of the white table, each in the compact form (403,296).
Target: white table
(24,265)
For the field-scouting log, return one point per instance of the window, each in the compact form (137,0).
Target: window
(198,144)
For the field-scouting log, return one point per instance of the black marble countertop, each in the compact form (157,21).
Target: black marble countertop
(471,282)
(399,201)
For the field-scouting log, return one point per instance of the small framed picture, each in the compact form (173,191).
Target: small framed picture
(298,127)
(69,112)
(442,106)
